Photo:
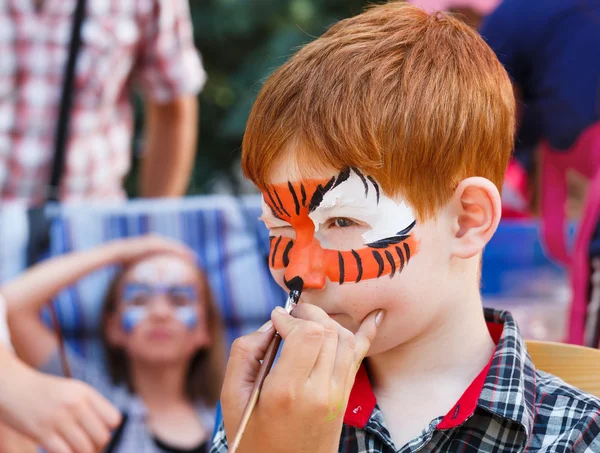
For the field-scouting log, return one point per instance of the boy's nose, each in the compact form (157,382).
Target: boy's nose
(307,263)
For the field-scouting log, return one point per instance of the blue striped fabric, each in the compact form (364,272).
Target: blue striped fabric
(13,240)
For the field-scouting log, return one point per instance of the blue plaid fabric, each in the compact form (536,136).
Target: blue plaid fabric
(519,409)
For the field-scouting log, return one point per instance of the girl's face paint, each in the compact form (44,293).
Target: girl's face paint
(343,228)
(162,271)
(161,313)
(132,316)
(139,298)
(159,280)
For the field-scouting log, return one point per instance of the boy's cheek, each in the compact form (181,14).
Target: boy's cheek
(277,275)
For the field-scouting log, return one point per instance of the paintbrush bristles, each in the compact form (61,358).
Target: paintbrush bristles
(265,367)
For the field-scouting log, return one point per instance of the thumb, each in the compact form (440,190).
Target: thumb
(363,338)
(365,335)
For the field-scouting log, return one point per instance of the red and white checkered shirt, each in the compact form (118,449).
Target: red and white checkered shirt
(125,43)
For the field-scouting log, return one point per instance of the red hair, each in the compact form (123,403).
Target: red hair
(417,101)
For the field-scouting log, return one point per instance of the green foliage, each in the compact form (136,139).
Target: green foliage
(242,42)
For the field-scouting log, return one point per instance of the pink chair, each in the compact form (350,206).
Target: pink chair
(483,7)
(583,157)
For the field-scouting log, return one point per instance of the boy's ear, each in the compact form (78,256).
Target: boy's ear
(476,210)
(115,335)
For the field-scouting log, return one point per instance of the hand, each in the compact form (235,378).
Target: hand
(304,397)
(136,248)
(62,415)
(12,441)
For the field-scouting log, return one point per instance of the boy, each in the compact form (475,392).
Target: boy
(380,149)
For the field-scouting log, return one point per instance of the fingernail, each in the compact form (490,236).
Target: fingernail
(379,317)
(266,326)
(281,310)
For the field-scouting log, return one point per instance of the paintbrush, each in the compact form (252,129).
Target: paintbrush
(265,367)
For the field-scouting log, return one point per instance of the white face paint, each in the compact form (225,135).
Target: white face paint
(357,198)
(161,271)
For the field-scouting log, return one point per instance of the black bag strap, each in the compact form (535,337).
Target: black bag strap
(66,103)
(117,435)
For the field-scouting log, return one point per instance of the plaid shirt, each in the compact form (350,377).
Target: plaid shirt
(146,42)
(509,407)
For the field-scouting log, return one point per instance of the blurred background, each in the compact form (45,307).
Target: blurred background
(110,151)
(241,43)
(218,53)
(168,56)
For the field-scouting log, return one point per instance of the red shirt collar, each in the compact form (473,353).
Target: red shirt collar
(362,399)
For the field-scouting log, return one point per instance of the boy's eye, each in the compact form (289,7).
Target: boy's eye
(343,222)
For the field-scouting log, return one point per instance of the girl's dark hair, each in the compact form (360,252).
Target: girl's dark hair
(205,374)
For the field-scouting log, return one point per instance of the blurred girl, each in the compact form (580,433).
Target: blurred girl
(162,337)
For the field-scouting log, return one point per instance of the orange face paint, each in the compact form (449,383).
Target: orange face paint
(304,256)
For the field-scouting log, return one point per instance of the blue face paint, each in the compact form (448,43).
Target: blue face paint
(132,316)
(131,291)
(188,316)
(139,296)
(176,293)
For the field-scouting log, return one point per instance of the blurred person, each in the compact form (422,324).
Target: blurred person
(470,11)
(61,415)
(551,49)
(162,337)
(147,44)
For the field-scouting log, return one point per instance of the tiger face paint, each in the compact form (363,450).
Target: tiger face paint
(343,228)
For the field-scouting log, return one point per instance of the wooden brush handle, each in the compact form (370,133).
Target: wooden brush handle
(265,367)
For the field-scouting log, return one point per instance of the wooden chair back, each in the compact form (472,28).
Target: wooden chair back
(576,365)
